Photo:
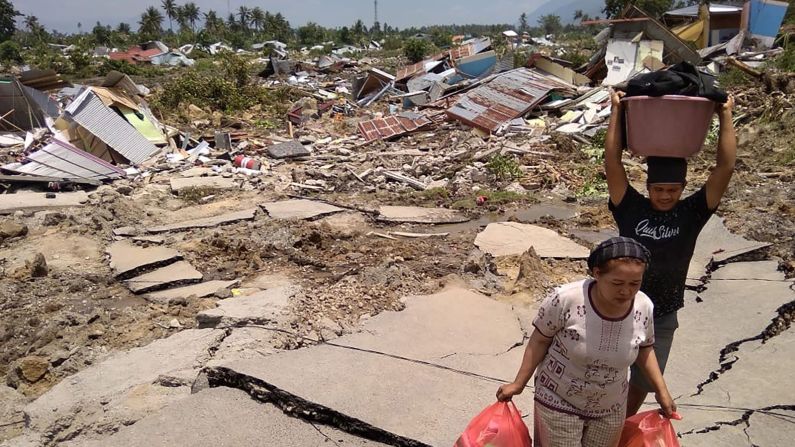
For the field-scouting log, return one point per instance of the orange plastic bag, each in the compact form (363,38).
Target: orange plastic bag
(499,425)
(649,429)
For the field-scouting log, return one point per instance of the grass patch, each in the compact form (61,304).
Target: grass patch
(504,167)
(195,194)
(734,77)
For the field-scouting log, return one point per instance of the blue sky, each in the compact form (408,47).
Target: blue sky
(64,15)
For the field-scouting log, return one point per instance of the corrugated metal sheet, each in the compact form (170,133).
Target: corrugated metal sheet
(62,160)
(470,49)
(503,98)
(392,126)
(89,111)
(419,67)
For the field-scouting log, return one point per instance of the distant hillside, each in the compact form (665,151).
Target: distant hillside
(565,10)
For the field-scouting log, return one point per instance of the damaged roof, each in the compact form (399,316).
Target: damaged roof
(92,114)
(504,97)
(62,160)
(392,126)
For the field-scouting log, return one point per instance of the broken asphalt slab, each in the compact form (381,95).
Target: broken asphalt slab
(740,302)
(298,209)
(206,222)
(413,214)
(127,259)
(266,307)
(29,201)
(200,290)
(224,417)
(176,274)
(513,239)
(353,380)
(123,388)
(216,182)
(716,244)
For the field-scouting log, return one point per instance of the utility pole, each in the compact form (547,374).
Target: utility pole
(376,12)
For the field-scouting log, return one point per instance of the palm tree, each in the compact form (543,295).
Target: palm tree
(257,18)
(170,7)
(191,14)
(151,23)
(212,23)
(245,16)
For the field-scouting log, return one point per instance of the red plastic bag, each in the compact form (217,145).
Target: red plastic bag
(499,425)
(649,429)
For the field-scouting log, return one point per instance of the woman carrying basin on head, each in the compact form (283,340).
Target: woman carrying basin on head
(586,336)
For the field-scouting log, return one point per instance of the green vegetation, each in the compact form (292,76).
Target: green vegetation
(415,50)
(786,60)
(732,78)
(504,167)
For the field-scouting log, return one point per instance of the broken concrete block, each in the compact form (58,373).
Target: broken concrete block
(299,209)
(290,149)
(216,182)
(265,307)
(200,290)
(206,222)
(126,259)
(120,390)
(10,228)
(413,214)
(513,239)
(30,201)
(178,273)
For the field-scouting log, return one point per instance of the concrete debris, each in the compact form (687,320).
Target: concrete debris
(289,149)
(178,273)
(127,259)
(299,209)
(29,201)
(206,222)
(415,214)
(261,308)
(178,185)
(178,294)
(513,239)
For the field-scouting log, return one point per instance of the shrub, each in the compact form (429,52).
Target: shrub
(416,49)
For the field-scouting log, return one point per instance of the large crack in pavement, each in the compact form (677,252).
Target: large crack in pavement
(744,419)
(779,324)
(295,406)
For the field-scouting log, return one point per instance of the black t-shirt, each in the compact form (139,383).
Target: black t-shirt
(670,236)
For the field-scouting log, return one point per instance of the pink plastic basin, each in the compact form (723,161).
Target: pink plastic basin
(667,126)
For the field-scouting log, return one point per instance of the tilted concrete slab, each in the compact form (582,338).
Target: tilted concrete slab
(434,327)
(216,182)
(224,417)
(289,149)
(264,307)
(127,258)
(206,222)
(244,343)
(299,209)
(123,388)
(513,239)
(36,201)
(453,340)
(741,300)
(716,243)
(178,273)
(414,214)
(399,399)
(200,290)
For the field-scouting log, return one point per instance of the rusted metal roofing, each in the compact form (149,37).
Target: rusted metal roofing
(392,126)
(94,116)
(504,97)
(43,80)
(411,70)
(62,160)
(135,55)
(470,49)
